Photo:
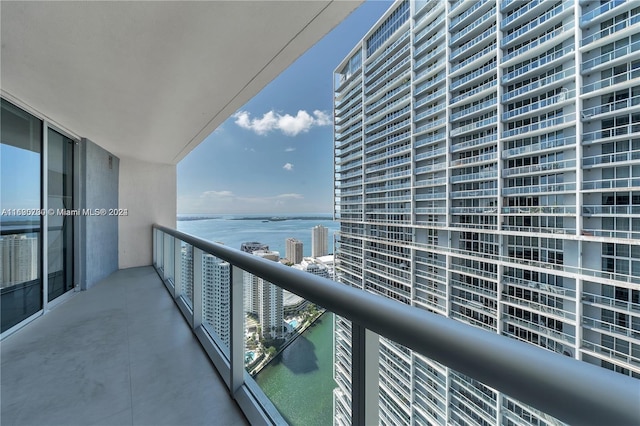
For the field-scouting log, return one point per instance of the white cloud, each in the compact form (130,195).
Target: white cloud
(322,119)
(288,167)
(217,194)
(287,124)
(290,149)
(291,196)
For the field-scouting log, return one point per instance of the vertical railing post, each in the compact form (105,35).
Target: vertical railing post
(160,250)
(166,256)
(154,237)
(365,388)
(236,328)
(196,300)
(177,267)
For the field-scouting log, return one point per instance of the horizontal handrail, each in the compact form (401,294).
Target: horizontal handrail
(572,391)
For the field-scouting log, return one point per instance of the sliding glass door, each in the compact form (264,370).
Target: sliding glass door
(60,224)
(36,267)
(21,220)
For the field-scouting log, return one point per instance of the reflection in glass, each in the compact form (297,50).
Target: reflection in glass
(60,200)
(20,223)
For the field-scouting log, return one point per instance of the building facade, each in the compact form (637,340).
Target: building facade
(250,293)
(18,260)
(266,300)
(216,295)
(319,241)
(216,290)
(313,266)
(488,169)
(294,251)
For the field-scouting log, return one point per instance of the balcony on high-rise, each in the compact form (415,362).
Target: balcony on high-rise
(110,315)
(100,101)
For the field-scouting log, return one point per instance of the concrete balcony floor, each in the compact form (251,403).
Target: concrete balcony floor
(117,354)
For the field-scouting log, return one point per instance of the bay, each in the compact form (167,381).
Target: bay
(299,381)
(233,230)
(303,372)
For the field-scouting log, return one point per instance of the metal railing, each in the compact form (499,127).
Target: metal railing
(585,394)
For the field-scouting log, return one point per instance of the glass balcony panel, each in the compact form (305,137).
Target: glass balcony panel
(474,91)
(611,30)
(455,21)
(536,189)
(543,60)
(490,32)
(541,83)
(187,272)
(550,144)
(521,11)
(487,50)
(467,29)
(611,183)
(610,107)
(540,125)
(610,81)
(609,56)
(542,104)
(531,25)
(609,353)
(589,16)
(542,167)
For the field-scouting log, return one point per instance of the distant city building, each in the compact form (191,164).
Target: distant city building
(186,272)
(18,259)
(251,246)
(216,290)
(328,262)
(313,266)
(319,241)
(250,287)
(265,299)
(216,293)
(294,250)
(293,303)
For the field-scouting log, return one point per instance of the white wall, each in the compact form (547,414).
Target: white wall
(149,193)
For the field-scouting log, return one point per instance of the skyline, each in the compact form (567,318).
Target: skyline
(275,154)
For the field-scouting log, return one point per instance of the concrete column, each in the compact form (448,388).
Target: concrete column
(148,193)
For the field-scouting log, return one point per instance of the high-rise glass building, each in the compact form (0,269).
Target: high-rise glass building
(488,169)
(294,251)
(319,241)
(216,278)
(264,299)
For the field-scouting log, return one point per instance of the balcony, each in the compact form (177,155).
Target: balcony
(485,356)
(118,354)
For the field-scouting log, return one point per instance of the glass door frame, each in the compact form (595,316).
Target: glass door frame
(44,221)
(46,304)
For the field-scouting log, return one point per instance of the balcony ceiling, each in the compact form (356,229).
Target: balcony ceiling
(150,80)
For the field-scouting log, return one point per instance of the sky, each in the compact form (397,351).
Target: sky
(275,154)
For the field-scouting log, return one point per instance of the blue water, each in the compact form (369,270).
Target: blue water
(231,232)
(299,381)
